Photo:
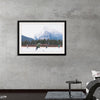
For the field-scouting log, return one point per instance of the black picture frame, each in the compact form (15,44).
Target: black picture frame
(41,21)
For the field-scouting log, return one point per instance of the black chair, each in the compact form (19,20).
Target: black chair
(92,86)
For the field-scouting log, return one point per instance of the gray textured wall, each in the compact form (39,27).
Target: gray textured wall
(42,72)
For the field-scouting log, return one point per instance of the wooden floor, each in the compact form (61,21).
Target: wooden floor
(26,94)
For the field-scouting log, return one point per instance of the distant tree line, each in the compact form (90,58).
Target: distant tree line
(44,41)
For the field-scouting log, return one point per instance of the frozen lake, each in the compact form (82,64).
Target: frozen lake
(41,50)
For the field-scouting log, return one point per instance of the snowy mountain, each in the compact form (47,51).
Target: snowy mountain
(51,36)
(46,35)
(24,38)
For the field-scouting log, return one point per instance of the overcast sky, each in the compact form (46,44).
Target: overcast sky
(32,29)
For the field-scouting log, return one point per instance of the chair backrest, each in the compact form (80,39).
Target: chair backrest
(92,86)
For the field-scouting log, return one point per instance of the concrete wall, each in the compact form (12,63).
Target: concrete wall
(50,72)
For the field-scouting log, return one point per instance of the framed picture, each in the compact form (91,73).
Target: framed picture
(41,37)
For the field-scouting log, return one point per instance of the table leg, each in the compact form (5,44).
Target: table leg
(69,90)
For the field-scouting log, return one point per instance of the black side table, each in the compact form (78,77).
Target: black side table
(73,82)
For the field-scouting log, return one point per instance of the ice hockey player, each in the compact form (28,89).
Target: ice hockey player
(37,46)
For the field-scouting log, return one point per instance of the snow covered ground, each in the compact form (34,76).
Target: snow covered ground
(42,50)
